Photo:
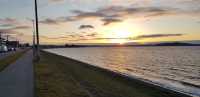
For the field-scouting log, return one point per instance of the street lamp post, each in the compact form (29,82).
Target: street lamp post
(37,32)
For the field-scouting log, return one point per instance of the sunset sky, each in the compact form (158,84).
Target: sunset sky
(102,21)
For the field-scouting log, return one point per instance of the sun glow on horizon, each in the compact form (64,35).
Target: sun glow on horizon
(119,32)
(119,41)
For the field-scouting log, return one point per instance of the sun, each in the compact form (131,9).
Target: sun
(122,30)
(119,33)
(122,34)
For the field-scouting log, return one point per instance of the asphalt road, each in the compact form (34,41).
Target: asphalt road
(17,79)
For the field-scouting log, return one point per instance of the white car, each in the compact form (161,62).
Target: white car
(3,48)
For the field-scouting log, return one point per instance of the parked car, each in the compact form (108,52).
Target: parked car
(3,48)
(11,49)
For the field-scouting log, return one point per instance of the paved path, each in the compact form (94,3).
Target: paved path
(17,79)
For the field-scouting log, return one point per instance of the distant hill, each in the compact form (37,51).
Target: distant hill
(176,44)
(135,44)
(192,41)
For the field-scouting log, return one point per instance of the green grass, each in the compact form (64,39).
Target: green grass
(57,76)
(10,59)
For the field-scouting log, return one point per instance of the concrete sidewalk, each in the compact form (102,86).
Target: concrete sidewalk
(17,79)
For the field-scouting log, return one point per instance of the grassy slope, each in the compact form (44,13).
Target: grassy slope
(10,59)
(57,76)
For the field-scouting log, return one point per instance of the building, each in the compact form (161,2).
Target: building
(12,44)
(2,41)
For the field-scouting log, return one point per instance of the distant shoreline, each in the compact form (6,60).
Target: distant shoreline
(122,45)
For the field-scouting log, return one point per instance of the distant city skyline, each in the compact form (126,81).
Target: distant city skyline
(102,21)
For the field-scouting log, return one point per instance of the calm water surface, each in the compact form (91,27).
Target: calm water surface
(176,68)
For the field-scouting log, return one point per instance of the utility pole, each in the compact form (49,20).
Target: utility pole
(0,39)
(37,32)
(7,38)
(33,38)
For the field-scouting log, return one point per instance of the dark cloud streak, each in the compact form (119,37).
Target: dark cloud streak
(157,36)
(86,27)
(49,21)
(108,21)
(21,27)
(132,38)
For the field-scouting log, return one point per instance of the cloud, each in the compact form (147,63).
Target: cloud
(108,21)
(8,22)
(92,35)
(136,9)
(56,1)
(86,27)
(61,37)
(84,39)
(13,24)
(96,36)
(49,21)
(156,36)
(21,27)
(84,14)
(7,31)
(128,38)
(190,2)
(72,36)
(6,25)
(150,8)
(113,14)
(13,30)
(58,20)
(120,11)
